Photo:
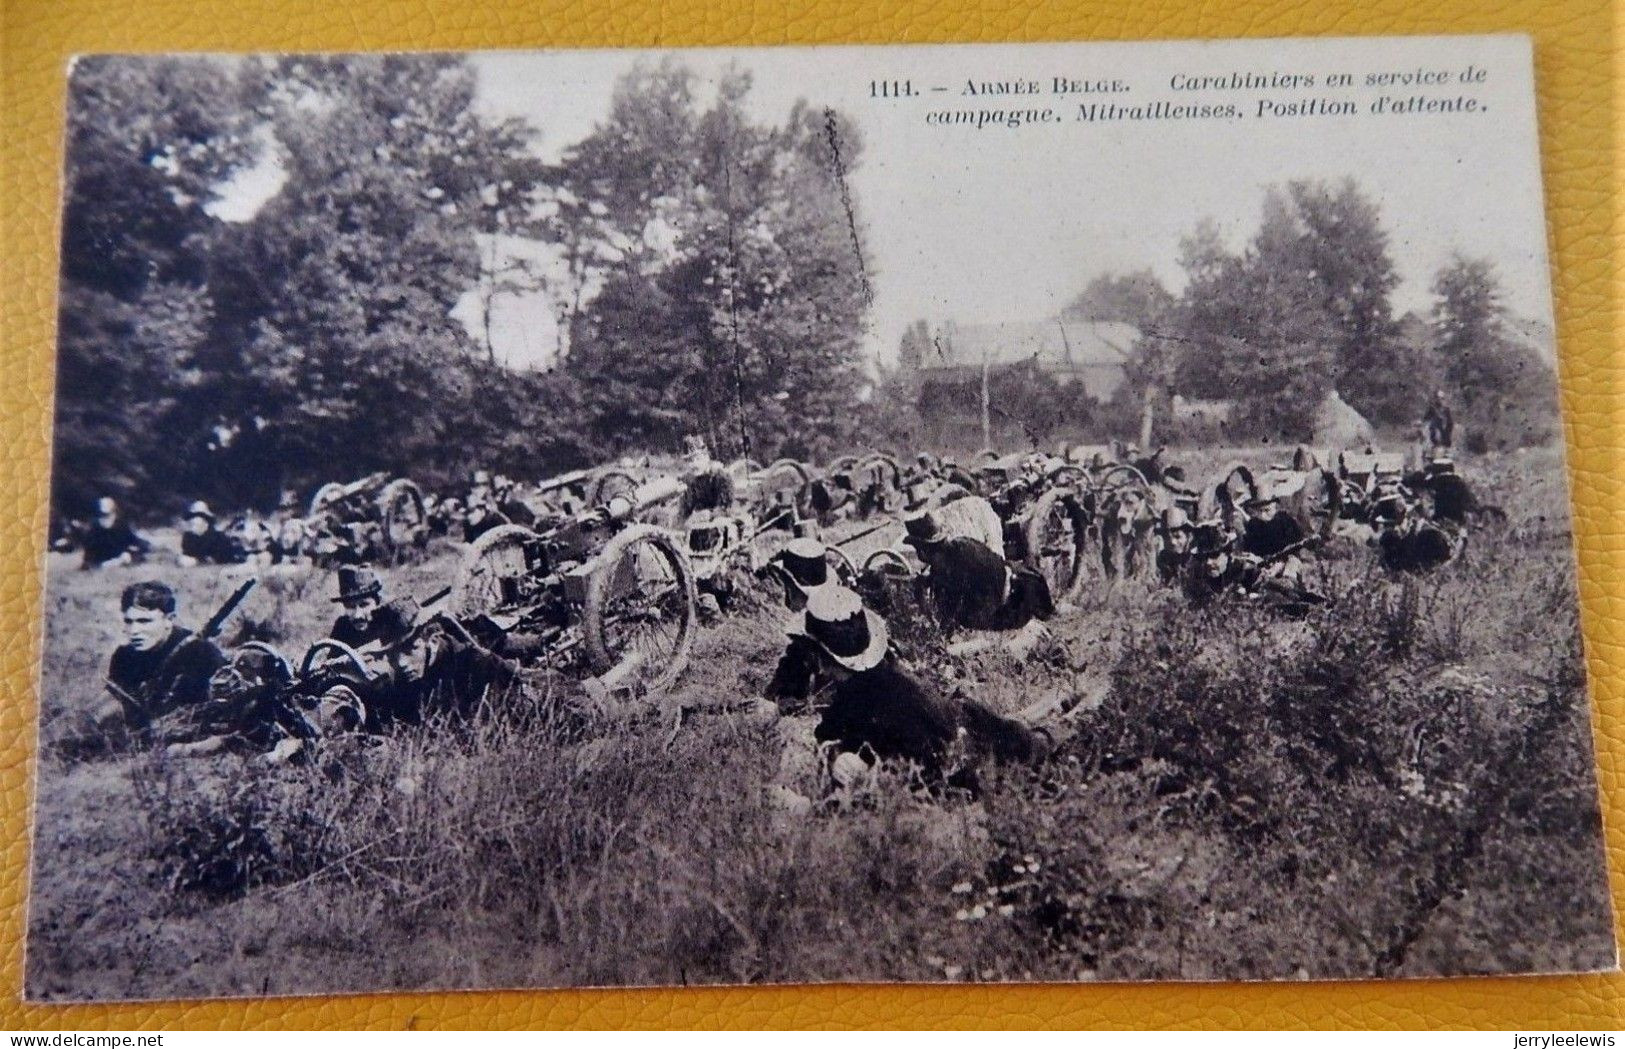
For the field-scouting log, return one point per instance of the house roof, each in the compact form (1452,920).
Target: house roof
(1054,344)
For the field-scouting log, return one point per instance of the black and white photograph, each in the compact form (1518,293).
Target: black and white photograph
(929,514)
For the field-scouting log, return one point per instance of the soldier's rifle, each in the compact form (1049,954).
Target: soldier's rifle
(1287,551)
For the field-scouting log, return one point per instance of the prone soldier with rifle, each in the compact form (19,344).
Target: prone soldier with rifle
(161,673)
(1220,565)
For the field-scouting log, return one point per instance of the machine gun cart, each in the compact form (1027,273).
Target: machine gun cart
(596,595)
(390,512)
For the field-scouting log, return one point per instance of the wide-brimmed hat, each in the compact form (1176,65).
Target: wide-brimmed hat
(1174,519)
(1258,502)
(356,582)
(199,508)
(836,621)
(805,563)
(923,529)
(1209,538)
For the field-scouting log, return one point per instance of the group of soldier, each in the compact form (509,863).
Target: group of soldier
(174,687)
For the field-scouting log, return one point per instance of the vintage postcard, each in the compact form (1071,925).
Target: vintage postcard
(1063,512)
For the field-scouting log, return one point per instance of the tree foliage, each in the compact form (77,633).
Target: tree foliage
(712,281)
(1137,298)
(1503,388)
(1305,307)
(148,144)
(734,308)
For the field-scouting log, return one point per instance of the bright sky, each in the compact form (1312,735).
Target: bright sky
(1009,224)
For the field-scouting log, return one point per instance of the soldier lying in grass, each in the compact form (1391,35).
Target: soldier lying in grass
(157,679)
(871,709)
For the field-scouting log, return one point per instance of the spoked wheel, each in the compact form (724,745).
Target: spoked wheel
(330,651)
(1055,543)
(1121,476)
(325,496)
(492,572)
(638,622)
(889,562)
(609,484)
(406,522)
(841,566)
(1074,477)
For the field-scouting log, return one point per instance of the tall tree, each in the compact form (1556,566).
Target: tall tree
(1339,238)
(340,288)
(1503,388)
(150,141)
(1137,298)
(736,303)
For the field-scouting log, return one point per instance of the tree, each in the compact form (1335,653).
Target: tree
(914,346)
(339,290)
(1504,390)
(1304,309)
(149,143)
(1137,298)
(733,300)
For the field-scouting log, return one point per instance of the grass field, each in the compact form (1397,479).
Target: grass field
(1401,785)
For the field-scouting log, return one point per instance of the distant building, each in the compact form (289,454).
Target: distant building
(1092,353)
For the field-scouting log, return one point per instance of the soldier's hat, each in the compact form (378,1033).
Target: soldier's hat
(923,529)
(356,582)
(847,632)
(1175,519)
(805,564)
(199,508)
(1209,538)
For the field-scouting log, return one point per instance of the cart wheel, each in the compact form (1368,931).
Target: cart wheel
(797,465)
(334,650)
(324,496)
(492,571)
(1055,543)
(1075,477)
(885,468)
(640,609)
(842,565)
(609,484)
(406,522)
(888,562)
(1122,475)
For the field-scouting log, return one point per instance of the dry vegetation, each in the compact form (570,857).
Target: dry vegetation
(1402,785)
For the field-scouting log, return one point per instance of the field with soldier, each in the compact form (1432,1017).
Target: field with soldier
(1144,782)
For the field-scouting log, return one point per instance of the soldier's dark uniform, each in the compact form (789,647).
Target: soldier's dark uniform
(103,543)
(1267,538)
(213,547)
(972,586)
(164,680)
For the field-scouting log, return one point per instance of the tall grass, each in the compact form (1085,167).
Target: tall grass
(1400,784)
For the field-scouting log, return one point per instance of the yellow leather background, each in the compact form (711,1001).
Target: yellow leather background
(1576,57)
